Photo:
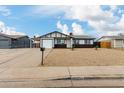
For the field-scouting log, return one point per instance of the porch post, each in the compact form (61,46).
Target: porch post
(71,42)
(114,45)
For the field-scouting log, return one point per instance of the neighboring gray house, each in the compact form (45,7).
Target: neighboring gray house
(59,40)
(14,41)
(116,41)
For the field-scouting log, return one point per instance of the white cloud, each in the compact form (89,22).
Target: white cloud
(113,8)
(117,28)
(5,11)
(114,33)
(9,30)
(63,28)
(44,11)
(77,29)
(103,22)
(120,24)
(2,26)
(90,13)
(94,13)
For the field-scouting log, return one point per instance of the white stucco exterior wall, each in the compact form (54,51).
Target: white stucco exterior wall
(68,43)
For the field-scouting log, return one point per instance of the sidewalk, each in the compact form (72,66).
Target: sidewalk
(91,76)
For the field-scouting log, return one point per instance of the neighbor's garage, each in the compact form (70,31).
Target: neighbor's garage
(47,43)
(4,41)
(118,43)
(14,41)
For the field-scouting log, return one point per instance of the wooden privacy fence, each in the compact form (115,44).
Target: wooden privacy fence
(105,44)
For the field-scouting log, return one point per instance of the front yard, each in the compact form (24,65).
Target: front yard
(85,57)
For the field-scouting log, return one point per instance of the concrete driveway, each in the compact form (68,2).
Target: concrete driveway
(30,57)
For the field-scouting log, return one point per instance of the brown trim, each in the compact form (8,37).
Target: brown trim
(60,46)
(83,45)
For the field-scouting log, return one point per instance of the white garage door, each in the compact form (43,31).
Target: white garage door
(119,44)
(47,43)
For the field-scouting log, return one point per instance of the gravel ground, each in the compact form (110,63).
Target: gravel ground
(85,57)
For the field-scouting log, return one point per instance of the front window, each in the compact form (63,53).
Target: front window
(81,42)
(60,41)
(76,41)
(87,41)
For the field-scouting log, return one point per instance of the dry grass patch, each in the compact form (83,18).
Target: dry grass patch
(85,57)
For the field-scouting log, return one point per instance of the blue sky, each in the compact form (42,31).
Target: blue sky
(81,20)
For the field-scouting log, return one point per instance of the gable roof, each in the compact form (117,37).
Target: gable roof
(54,32)
(13,36)
(73,36)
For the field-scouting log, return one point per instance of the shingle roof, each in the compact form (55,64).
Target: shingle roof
(74,36)
(114,37)
(13,36)
(36,39)
(16,36)
(83,36)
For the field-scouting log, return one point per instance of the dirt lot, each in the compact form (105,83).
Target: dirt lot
(85,57)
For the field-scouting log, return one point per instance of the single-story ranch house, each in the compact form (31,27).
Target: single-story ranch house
(14,41)
(59,40)
(112,41)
